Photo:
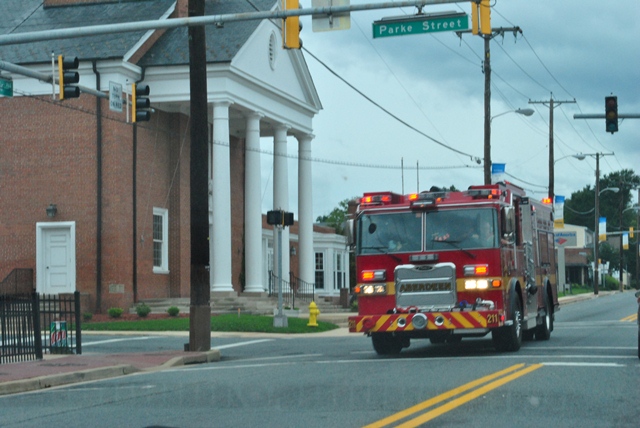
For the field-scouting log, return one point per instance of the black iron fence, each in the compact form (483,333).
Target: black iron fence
(294,291)
(34,324)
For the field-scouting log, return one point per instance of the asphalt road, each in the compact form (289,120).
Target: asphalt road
(587,375)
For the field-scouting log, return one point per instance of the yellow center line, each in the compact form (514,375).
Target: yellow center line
(633,317)
(445,396)
(466,398)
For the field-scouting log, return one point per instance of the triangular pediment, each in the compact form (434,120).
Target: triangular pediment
(283,71)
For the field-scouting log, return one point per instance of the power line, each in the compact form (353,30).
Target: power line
(362,94)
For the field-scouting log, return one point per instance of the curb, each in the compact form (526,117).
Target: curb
(50,381)
(199,358)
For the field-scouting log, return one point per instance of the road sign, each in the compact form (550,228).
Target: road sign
(333,22)
(115,96)
(6,87)
(420,24)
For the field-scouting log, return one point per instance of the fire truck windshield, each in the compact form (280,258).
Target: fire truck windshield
(390,233)
(451,229)
(467,228)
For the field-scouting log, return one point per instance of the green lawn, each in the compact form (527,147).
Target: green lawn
(227,322)
(575,291)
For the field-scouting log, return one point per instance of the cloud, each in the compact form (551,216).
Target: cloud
(435,82)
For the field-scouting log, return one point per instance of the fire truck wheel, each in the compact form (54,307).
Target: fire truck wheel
(386,344)
(543,331)
(509,338)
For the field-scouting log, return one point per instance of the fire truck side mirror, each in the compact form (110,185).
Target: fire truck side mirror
(349,229)
(508,221)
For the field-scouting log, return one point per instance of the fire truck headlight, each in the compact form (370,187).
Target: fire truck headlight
(476,284)
(371,289)
(419,321)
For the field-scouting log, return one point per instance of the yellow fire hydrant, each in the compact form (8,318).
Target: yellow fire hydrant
(313,314)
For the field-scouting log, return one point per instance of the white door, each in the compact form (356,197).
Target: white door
(57,263)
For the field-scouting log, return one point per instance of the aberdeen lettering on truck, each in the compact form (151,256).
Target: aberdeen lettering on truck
(444,265)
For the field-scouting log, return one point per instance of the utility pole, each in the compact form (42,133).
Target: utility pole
(200,309)
(638,244)
(551,104)
(596,234)
(486,69)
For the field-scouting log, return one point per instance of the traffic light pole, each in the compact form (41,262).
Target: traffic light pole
(195,21)
(200,308)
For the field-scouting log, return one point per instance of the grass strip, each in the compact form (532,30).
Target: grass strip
(225,322)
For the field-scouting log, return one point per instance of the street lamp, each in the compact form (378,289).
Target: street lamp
(596,267)
(487,140)
(578,156)
(596,256)
(523,111)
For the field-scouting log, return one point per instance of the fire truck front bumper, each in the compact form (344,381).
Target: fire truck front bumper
(462,322)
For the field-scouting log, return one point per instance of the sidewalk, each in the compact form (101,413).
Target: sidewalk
(56,370)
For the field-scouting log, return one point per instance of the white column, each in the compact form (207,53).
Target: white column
(281,194)
(220,239)
(305,210)
(252,208)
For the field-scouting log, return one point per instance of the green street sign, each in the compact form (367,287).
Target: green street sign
(6,87)
(420,24)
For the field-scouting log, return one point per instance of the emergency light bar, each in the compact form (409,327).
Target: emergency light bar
(485,193)
(380,198)
(427,199)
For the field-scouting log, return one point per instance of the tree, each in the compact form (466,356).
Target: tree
(580,210)
(337,217)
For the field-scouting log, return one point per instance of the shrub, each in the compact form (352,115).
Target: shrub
(115,312)
(87,316)
(173,311)
(611,283)
(143,310)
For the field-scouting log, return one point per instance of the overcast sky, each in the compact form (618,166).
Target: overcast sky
(573,49)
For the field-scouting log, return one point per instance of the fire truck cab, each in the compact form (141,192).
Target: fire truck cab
(444,265)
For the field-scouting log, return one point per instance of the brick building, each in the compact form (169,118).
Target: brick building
(93,203)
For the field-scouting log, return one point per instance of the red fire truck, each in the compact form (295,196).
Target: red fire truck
(443,265)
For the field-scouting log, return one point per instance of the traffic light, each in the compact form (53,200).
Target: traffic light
(631,232)
(140,104)
(480,17)
(279,217)
(611,113)
(546,201)
(291,26)
(67,74)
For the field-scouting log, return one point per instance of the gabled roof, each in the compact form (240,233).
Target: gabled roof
(20,16)
(222,43)
(172,48)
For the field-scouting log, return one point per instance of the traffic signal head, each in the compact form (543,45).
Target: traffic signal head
(279,218)
(480,17)
(140,104)
(291,26)
(611,113)
(67,75)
